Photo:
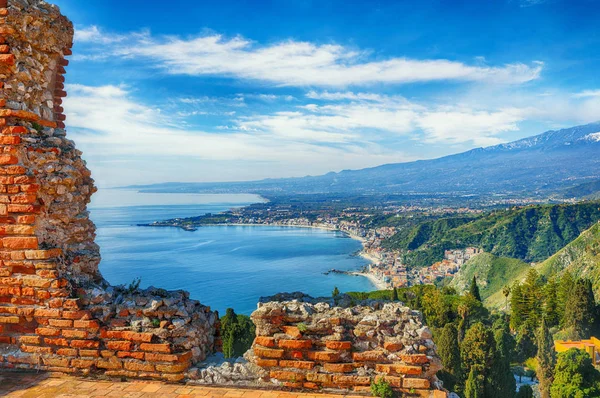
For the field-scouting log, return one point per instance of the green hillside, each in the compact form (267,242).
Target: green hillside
(491,271)
(581,257)
(530,234)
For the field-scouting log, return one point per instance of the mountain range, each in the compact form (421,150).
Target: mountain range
(558,162)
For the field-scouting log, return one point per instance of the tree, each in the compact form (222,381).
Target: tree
(526,344)
(474,289)
(552,314)
(449,352)
(335,293)
(565,286)
(395,294)
(575,376)
(546,358)
(580,309)
(474,385)
(525,392)
(237,332)
(501,379)
(506,292)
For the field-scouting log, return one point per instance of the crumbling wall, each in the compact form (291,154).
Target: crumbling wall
(56,310)
(315,344)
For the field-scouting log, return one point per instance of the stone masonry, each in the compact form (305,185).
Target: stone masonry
(323,344)
(56,310)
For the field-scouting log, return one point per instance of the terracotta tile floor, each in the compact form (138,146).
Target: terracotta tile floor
(31,385)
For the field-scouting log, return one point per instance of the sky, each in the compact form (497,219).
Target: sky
(195,91)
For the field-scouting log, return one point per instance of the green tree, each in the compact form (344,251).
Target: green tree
(336,292)
(575,376)
(449,352)
(565,286)
(501,379)
(395,294)
(474,386)
(525,392)
(526,344)
(474,289)
(546,358)
(237,333)
(552,314)
(580,309)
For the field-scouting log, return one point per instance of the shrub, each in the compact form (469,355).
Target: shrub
(382,389)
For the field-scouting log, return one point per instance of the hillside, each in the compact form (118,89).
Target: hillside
(491,271)
(542,165)
(580,257)
(530,234)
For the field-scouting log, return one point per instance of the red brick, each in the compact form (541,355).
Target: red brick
(84,344)
(372,356)
(399,369)
(292,331)
(36,350)
(138,366)
(49,313)
(319,378)
(110,363)
(297,364)
(8,159)
(268,353)
(83,363)
(415,383)
(75,334)
(163,348)
(119,345)
(324,356)
(79,324)
(139,355)
(286,375)
(265,341)
(58,341)
(173,368)
(295,344)
(68,352)
(15,130)
(47,331)
(393,346)
(89,353)
(351,380)
(415,359)
(137,337)
(266,363)
(18,242)
(338,345)
(338,367)
(36,340)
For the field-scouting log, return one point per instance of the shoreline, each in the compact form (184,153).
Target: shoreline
(377,283)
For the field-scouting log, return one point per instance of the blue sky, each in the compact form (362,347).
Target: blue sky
(241,90)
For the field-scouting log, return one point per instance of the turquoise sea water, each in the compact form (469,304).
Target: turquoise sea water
(221,266)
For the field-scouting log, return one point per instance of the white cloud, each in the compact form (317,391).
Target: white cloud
(294,63)
(587,94)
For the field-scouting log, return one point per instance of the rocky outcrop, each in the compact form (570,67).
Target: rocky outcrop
(342,344)
(56,310)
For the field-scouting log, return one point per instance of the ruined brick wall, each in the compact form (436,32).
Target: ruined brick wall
(56,310)
(316,344)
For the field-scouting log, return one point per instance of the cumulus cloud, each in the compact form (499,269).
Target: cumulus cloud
(295,63)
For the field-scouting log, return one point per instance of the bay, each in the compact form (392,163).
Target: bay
(221,266)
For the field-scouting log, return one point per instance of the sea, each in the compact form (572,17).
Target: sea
(221,266)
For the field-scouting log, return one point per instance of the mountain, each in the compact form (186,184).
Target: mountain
(544,164)
(530,234)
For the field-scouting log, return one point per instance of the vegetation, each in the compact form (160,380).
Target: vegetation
(575,376)
(532,233)
(382,389)
(237,332)
(546,359)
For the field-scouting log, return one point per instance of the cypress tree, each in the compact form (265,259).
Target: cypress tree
(395,294)
(448,350)
(551,304)
(336,292)
(501,380)
(546,358)
(580,310)
(525,392)
(474,385)
(474,289)
(565,286)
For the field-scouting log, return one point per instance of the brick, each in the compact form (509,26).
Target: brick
(36,350)
(6,59)
(39,254)
(394,381)
(37,282)
(163,348)
(77,315)
(399,369)
(137,355)
(35,340)
(57,341)
(56,361)
(61,323)
(68,352)
(324,356)
(119,345)
(415,383)
(19,242)
(286,375)
(10,140)
(351,380)
(268,353)
(393,346)
(15,130)
(292,331)
(338,345)
(295,344)
(83,363)
(137,337)
(47,331)
(108,354)
(75,334)
(266,363)
(415,358)
(138,366)
(173,378)
(319,378)
(173,368)
(80,324)
(297,364)
(89,353)
(109,363)
(49,313)
(8,159)
(338,367)
(85,344)
(265,341)
(369,356)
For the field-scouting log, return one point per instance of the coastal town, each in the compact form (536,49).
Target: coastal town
(386,269)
